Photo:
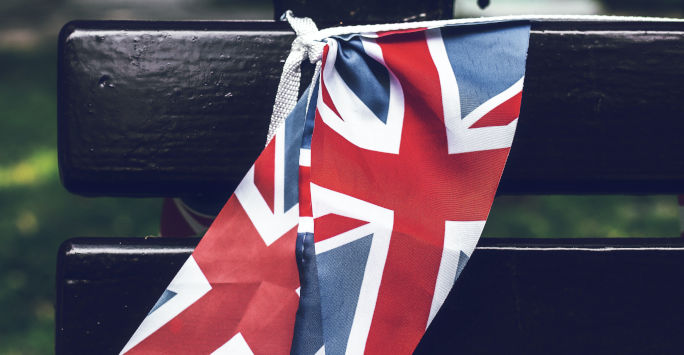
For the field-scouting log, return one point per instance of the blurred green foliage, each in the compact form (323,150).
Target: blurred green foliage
(583,216)
(36,213)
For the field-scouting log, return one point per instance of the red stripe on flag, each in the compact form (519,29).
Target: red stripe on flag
(332,225)
(305,191)
(252,292)
(409,30)
(232,243)
(502,115)
(264,173)
(424,185)
(416,245)
(324,90)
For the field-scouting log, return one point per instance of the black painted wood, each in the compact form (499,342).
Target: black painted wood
(367,11)
(549,296)
(106,286)
(182,108)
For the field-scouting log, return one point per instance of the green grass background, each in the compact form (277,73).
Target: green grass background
(37,214)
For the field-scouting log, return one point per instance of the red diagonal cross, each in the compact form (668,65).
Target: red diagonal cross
(423,184)
(252,292)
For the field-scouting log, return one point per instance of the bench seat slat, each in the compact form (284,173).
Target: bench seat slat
(182,108)
(515,296)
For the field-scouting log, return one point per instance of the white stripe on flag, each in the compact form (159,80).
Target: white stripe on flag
(460,137)
(306,225)
(235,346)
(189,284)
(458,237)
(381,220)
(305,157)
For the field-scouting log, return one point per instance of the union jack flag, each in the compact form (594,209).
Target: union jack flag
(367,203)
(404,171)
(238,292)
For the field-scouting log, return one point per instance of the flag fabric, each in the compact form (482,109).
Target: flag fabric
(404,171)
(349,231)
(238,292)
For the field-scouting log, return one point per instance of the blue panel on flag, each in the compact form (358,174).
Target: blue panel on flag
(485,63)
(340,290)
(310,118)
(165,297)
(294,128)
(366,77)
(308,334)
(462,261)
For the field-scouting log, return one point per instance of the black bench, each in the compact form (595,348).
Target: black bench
(181,109)
(534,296)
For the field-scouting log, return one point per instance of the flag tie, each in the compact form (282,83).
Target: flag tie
(288,89)
(310,42)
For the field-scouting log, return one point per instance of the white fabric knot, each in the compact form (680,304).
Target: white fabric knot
(304,46)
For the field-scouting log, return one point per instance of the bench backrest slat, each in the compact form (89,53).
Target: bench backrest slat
(181,109)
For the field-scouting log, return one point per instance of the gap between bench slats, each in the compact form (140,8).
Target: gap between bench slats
(182,108)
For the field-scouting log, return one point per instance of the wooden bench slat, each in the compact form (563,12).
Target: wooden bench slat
(355,11)
(182,108)
(548,296)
